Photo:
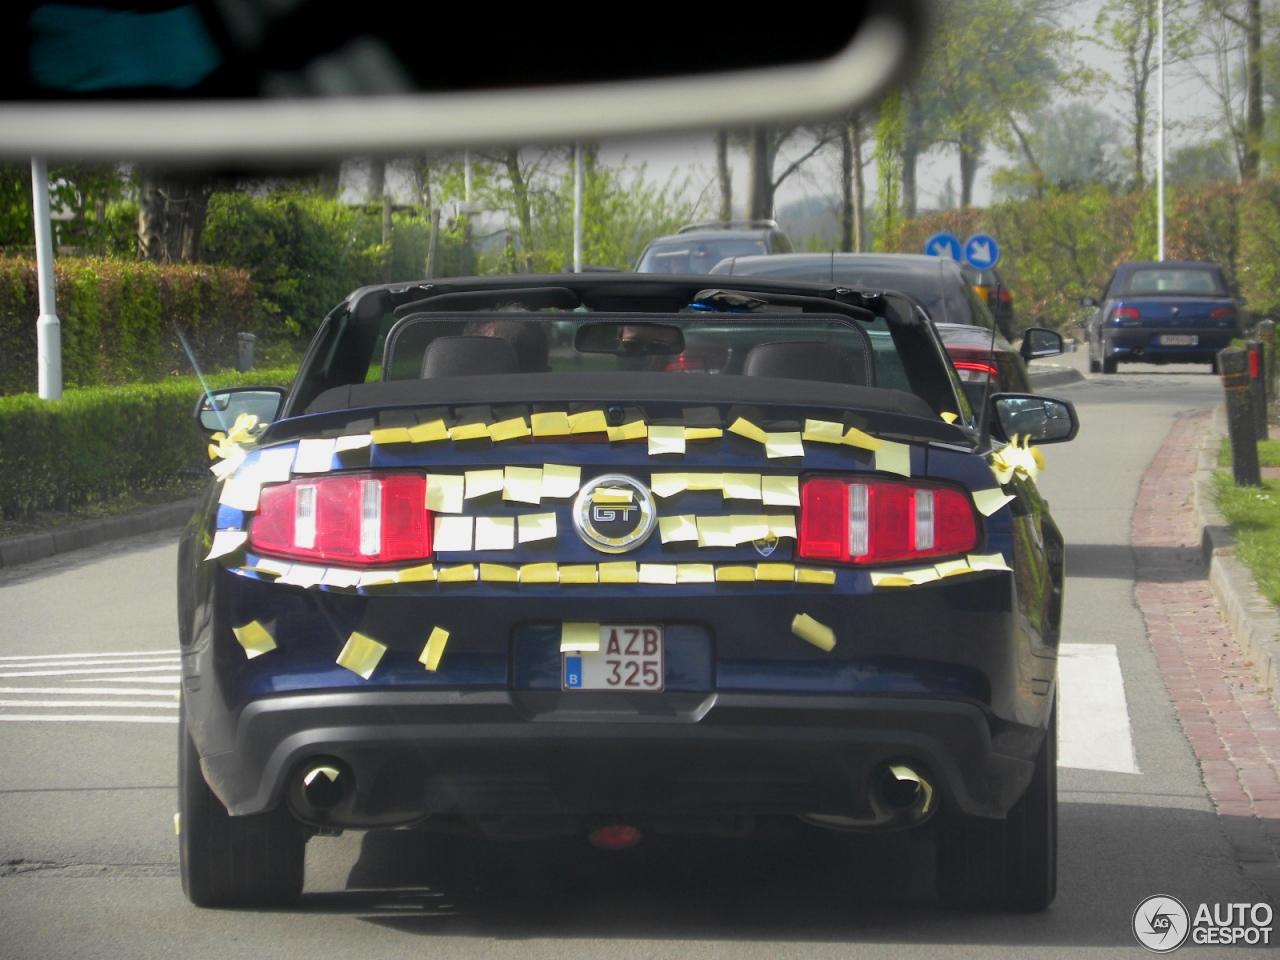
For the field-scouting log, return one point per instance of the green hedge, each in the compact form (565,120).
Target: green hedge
(99,442)
(119,320)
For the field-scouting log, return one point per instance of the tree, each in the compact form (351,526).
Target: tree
(172,208)
(1066,147)
(723,175)
(764,145)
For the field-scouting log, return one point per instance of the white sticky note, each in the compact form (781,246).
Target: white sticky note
(666,440)
(717,532)
(275,464)
(358,441)
(226,541)
(705,481)
(241,491)
(741,486)
(225,468)
(536,526)
(314,456)
(987,561)
(695,573)
(560,482)
(341,577)
(453,534)
(894,458)
(782,525)
(657,573)
(444,493)
(522,484)
(579,637)
(989,501)
(483,482)
(780,491)
(668,484)
(494,533)
(749,527)
(678,529)
(303,575)
(783,445)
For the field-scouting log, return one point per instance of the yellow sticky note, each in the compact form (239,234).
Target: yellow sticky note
(636,430)
(783,445)
(989,501)
(508,429)
(782,526)
(559,482)
(463,573)
(706,481)
(429,432)
(619,571)
(383,578)
(522,484)
(810,575)
(987,561)
(657,573)
(677,529)
(823,431)
(422,573)
(452,534)
(611,495)
(550,424)
(807,628)
(953,567)
(745,428)
(536,526)
(469,431)
(361,654)
(539,573)
(255,639)
(894,458)
(275,568)
(695,573)
(702,433)
(495,533)
(948,416)
(434,650)
(668,484)
(780,491)
(444,493)
(386,435)
(666,440)
(888,578)
(578,573)
(748,527)
(776,571)
(225,542)
(347,444)
(736,574)
(854,437)
(589,421)
(483,482)
(716,532)
(578,637)
(921,575)
(741,486)
(499,573)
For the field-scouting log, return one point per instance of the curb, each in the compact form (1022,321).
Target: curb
(1044,377)
(37,546)
(1252,618)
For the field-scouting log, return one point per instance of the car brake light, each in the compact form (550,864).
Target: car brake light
(1227,314)
(1004,295)
(973,371)
(1125,317)
(353,519)
(685,364)
(869,522)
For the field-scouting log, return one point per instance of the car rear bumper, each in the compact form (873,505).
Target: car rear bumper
(1153,344)
(408,755)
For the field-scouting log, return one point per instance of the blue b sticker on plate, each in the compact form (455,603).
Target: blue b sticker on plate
(572,672)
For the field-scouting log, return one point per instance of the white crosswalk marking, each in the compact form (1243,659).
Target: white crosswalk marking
(135,687)
(1093,727)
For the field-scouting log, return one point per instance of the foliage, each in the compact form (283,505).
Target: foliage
(1254,516)
(91,205)
(99,442)
(1075,145)
(119,319)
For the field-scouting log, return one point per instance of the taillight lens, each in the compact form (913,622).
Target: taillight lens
(1125,317)
(351,519)
(869,522)
(973,371)
(1226,316)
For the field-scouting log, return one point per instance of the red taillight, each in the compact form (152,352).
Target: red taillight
(1125,316)
(869,522)
(685,364)
(1004,295)
(351,519)
(972,371)
(1224,313)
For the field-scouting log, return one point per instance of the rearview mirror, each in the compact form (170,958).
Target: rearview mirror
(630,339)
(1042,419)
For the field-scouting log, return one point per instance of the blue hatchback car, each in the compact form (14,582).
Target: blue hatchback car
(505,560)
(1171,311)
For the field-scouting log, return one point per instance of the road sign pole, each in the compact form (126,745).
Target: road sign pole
(48,327)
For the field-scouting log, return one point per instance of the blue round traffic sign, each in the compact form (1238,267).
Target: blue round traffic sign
(943,245)
(981,252)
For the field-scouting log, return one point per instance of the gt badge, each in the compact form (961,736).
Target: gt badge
(614,513)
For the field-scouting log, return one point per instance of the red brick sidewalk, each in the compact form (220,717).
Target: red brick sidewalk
(1231,723)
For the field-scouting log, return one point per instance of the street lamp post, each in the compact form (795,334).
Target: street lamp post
(1160,138)
(48,327)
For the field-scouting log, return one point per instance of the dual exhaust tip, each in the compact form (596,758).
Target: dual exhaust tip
(320,786)
(899,796)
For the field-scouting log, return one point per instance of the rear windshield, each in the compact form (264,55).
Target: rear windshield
(1193,280)
(697,256)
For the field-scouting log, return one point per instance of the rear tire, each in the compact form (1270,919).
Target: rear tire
(1009,864)
(1108,365)
(226,861)
(1095,366)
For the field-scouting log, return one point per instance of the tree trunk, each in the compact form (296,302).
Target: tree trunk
(760,189)
(970,150)
(848,218)
(912,143)
(377,179)
(1253,71)
(860,240)
(723,175)
(171,215)
(909,157)
(524,215)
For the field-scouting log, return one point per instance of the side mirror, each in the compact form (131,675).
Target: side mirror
(1043,419)
(1038,342)
(1088,302)
(218,409)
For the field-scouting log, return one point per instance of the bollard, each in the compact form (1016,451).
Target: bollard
(244,351)
(1257,388)
(1267,334)
(1234,364)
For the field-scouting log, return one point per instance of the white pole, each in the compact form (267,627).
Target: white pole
(48,327)
(1160,144)
(577,208)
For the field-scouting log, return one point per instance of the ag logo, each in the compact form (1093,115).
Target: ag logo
(614,513)
(1161,923)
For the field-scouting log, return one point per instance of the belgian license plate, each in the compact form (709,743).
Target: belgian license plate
(1178,340)
(631,657)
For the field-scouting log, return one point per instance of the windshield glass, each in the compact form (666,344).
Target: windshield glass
(697,256)
(1195,280)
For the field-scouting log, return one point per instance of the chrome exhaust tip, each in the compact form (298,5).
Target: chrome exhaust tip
(323,785)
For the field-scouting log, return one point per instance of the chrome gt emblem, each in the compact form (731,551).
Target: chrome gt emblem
(614,513)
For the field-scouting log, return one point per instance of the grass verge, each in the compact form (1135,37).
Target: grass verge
(1254,516)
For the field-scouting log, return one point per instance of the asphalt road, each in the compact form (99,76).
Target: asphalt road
(88,854)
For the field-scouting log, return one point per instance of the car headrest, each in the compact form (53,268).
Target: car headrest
(802,360)
(468,356)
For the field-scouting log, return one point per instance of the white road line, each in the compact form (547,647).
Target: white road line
(89,656)
(92,691)
(67,673)
(114,704)
(1093,729)
(83,718)
(172,680)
